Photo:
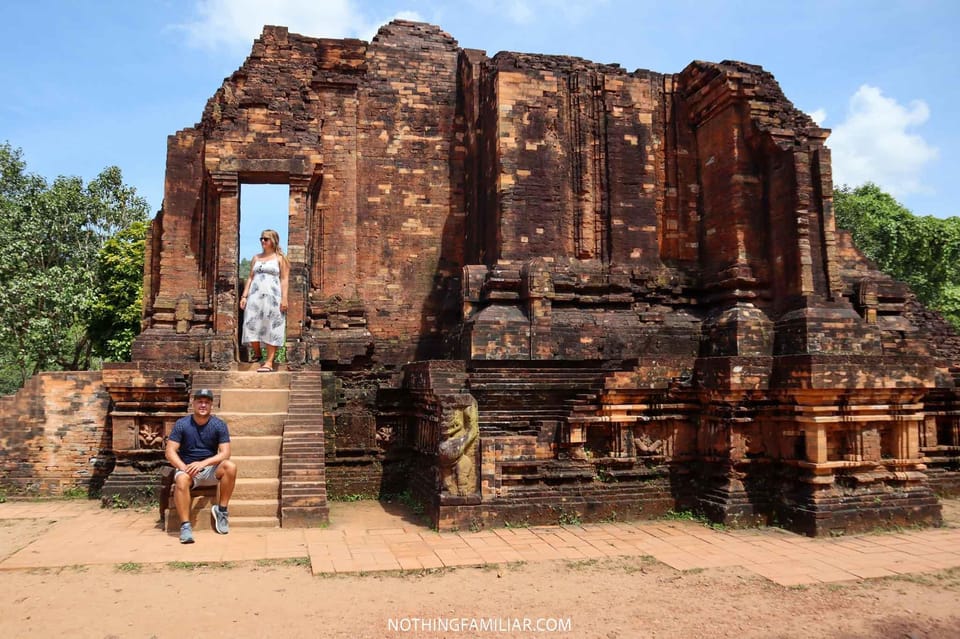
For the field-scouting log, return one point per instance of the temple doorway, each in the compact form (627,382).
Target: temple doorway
(262,206)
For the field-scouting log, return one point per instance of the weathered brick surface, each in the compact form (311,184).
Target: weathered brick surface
(54,435)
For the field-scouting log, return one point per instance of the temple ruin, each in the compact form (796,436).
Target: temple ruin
(532,288)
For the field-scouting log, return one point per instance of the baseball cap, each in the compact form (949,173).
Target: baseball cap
(203,392)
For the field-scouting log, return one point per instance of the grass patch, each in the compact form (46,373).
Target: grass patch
(395,574)
(569,518)
(679,515)
(299,562)
(130,566)
(948,579)
(142,499)
(352,497)
(688,515)
(75,492)
(200,565)
(116,502)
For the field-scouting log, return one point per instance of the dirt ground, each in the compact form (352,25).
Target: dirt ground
(607,599)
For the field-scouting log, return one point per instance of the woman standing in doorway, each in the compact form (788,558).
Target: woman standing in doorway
(264,300)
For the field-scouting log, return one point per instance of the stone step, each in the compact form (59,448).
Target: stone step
(199,513)
(244,513)
(245,379)
(253,424)
(257,488)
(254,400)
(251,368)
(253,508)
(259,445)
(257,466)
(253,522)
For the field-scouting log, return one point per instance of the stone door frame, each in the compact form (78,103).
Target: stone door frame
(303,179)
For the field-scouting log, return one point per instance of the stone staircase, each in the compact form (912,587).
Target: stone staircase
(303,482)
(255,407)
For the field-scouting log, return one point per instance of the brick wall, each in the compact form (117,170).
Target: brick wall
(410,227)
(54,434)
(580,163)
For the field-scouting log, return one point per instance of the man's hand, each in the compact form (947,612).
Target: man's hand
(193,468)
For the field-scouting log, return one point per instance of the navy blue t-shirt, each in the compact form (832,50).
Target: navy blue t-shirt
(199,442)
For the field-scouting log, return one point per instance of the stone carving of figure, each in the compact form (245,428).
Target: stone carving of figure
(183,313)
(150,436)
(385,436)
(646,445)
(457,452)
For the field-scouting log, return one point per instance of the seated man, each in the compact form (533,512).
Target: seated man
(199,450)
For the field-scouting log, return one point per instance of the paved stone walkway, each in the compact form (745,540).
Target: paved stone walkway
(364,537)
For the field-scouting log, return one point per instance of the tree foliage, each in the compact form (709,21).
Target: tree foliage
(924,251)
(115,314)
(52,275)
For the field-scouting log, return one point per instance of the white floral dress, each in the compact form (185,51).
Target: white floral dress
(262,320)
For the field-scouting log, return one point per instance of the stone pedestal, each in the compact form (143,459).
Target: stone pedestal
(146,402)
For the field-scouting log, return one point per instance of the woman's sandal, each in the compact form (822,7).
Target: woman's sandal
(264,369)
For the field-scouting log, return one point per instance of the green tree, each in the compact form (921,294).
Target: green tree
(52,235)
(924,251)
(116,310)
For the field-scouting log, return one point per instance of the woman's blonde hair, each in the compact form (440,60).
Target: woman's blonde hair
(275,238)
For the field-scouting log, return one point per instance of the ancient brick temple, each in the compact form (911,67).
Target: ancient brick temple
(541,289)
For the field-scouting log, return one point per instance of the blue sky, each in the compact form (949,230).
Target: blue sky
(89,84)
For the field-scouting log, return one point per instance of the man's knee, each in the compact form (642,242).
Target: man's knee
(227,469)
(182,482)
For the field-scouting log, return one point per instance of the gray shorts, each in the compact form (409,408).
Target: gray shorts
(206,477)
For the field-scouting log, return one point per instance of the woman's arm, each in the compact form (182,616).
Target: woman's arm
(284,281)
(246,288)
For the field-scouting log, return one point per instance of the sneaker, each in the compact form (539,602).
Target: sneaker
(220,520)
(186,534)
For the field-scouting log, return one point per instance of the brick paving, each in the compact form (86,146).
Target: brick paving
(364,537)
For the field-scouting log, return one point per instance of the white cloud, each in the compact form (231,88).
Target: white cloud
(874,144)
(819,116)
(236,23)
